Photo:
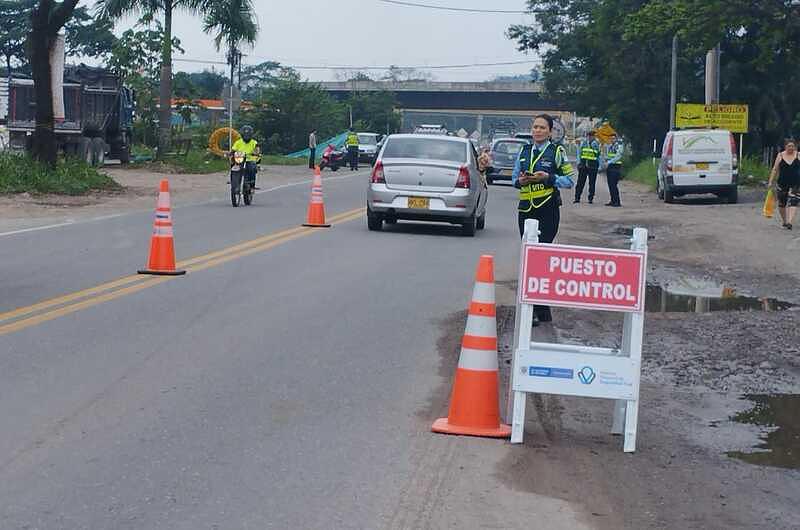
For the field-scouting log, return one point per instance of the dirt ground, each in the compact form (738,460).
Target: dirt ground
(697,367)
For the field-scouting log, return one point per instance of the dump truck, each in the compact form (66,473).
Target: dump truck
(97,115)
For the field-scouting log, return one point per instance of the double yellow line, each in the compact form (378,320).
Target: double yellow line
(25,317)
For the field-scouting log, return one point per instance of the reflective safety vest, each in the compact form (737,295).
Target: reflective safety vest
(248,148)
(614,150)
(352,140)
(531,160)
(589,151)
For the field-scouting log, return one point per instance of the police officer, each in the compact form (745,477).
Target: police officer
(614,170)
(540,169)
(249,146)
(352,148)
(587,166)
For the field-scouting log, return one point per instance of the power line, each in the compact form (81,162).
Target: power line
(343,67)
(459,9)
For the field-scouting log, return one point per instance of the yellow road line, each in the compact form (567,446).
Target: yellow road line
(198,263)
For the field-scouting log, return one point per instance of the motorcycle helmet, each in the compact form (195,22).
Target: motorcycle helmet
(246,132)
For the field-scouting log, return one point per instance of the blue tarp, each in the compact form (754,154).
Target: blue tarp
(337,142)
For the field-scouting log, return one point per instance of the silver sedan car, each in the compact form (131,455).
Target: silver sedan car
(424,177)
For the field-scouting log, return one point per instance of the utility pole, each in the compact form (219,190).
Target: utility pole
(673,93)
(712,76)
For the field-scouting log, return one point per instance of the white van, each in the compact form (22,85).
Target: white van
(698,161)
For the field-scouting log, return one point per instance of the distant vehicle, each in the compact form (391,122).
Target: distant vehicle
(98,115)
(524,136)
(430,129)
(367,146)
(504,154)
(427,178)
(332,158)
(698,161)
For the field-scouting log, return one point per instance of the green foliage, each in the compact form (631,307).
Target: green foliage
(611,59)
(288,110)
(21,174)
(136,57)
(374,111)
(751,166)
(86,35)
(199,161)
(198,85)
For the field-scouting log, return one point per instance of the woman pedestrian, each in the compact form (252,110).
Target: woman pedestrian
(787,167)
(541,168)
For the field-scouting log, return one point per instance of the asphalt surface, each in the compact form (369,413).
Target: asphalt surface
(278,384)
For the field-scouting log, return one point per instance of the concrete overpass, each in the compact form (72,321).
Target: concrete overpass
(479,109)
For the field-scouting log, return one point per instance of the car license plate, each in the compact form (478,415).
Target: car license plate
(506,172)
(702,165)
(419,203)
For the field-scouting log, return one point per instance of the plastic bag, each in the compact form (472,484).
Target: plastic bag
(769,204)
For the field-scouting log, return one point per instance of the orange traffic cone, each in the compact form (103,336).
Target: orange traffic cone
(162,248)
(316,207)
(474,405)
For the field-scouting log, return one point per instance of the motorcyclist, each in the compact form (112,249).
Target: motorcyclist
(249,146)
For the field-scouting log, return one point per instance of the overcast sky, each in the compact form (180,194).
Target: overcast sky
(370,33)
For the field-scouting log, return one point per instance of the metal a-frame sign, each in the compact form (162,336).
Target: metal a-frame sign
(588,278)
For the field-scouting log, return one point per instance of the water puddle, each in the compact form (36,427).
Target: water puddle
(700,296)
(780,446)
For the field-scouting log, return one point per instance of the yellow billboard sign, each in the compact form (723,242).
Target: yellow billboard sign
(731,117)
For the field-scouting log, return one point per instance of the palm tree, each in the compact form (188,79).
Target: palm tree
(234,24)
(113,9)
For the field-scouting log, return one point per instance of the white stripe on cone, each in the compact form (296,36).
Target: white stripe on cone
(483,293)
(482,360)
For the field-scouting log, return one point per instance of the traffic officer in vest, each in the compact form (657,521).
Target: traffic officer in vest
(541,168)
(587,166)
(249,146)
(614,170)
(352,148)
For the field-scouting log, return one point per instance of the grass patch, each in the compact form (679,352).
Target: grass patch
(22,174)
(752,172)
(643,171)
(199,161)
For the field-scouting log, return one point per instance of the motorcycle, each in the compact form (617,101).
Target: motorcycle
(332,158)
(241,187)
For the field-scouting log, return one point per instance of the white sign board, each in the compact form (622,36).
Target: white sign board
(588,278)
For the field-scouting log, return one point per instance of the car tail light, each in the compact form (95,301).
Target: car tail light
(668,153)
(734,156)
(463,178)
(377,174)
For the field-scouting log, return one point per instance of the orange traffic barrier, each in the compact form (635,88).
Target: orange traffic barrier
(316,206)
(474,404)
(162,247)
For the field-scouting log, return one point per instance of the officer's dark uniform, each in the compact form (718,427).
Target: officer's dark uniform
(542,201)
(587,167)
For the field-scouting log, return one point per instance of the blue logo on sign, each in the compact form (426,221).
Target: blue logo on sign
(586,375)
(547,371)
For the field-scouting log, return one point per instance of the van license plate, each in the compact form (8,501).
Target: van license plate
(419,203)
(702,165)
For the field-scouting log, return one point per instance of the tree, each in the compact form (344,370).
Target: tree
(234,24)
(198,85)
(259,76)
(47,19)
(86,35)
(289,109)
(375,111)
(398,74)
(114,9)
(611,59)
(135,58)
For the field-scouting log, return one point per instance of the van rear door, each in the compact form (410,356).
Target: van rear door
(702,158)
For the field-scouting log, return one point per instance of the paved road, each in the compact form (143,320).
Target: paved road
(285,382)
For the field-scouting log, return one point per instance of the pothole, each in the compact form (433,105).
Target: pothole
(780,443)
(689,295)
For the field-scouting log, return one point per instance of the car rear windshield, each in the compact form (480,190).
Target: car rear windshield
(367,139)
(429,148)
(508,148)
